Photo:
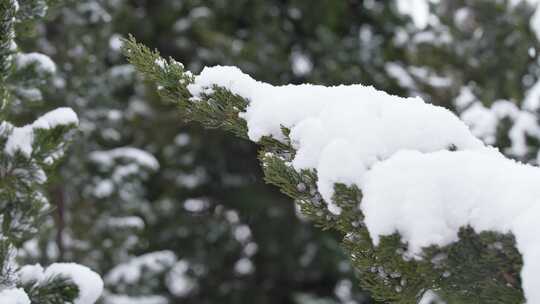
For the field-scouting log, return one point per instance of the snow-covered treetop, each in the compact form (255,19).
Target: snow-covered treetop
(27,153)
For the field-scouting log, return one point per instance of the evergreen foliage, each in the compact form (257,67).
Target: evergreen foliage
(205,193)
(472,270)
(202,213)
(28,155)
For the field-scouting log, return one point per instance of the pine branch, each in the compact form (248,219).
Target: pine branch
(468,271)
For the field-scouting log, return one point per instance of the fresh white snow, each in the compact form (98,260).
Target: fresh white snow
(326,137)
(484,121)
(430,297)
(14,296)
(89,283)
(397,151)
(178,282)
(130,272)
(21,139)
(31,273)
(42,62)
(418,10)
(136,155)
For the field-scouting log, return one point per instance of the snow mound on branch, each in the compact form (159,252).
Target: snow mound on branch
(14,296)
(136,155)
(30,274)
(42,62)
(332,126)
(435,194)
(55,118)
(132,271)
(422,172)
(89,283)
(22,138)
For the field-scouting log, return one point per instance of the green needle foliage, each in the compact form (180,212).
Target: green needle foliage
(23,172)
(480,268)
(56,290)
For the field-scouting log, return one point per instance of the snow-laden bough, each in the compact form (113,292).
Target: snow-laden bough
(422,172)
(89,283)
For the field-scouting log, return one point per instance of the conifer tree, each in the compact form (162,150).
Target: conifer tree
(28,155)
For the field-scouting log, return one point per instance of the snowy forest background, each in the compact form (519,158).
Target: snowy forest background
(169,212)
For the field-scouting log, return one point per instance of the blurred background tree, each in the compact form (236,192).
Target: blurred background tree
(171,213)
(168,212)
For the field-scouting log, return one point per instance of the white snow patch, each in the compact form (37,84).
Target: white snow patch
(301,64)
(535,22)
(89,283)
(244,266)
(55,118)
(115,42)
(104,188)
(430,297)
(42,62)
(532,98)
(178,281)
(195,204)
(30,273)
(131,271)
(162,63)
(22,138)
(14,296)
(418,10)
(428,204)
(139,156)
(398,72)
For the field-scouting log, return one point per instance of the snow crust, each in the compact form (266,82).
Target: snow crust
(22,138)
(14,296)
(422,172)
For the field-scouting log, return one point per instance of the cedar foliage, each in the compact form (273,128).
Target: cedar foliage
(23,204)
(480,268)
